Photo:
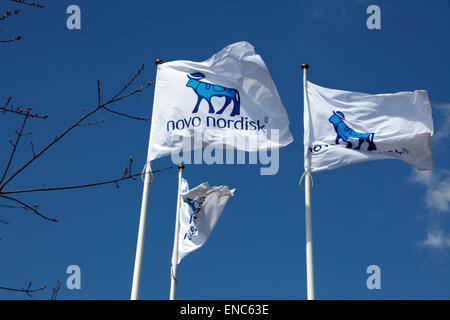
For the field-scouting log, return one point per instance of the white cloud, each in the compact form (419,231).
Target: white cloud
(437,239)
(437,199)
(422,177)
(441,117)
(437,185)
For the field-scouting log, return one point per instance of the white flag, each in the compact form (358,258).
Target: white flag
(200,209)
(343,127)
(228,100)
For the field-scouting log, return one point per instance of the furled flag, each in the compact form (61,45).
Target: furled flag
(228,100)
(343,127)
(201,207)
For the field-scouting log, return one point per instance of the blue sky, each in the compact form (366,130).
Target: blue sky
(393,216)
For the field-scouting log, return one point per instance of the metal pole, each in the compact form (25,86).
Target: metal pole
(141,236)
(174,264)
(308,222)
(142,222)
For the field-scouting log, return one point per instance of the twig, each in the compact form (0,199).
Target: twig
(99,94)
(131,94)
(28,290)
(27,207)
(55,290)
(20,111)
(126,115)
(10,207)
(116,98)
(130,82)
(9,13)
(4,222)
(13,39)
(19,135)
(91,123)
(115,181)
(32,148)
(33,4)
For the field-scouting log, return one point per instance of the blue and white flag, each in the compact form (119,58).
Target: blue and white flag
(343,127)
(228,100)
(200,210)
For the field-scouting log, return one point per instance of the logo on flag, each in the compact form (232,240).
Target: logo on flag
(344,132)
(228,101)
(200,210)
(206,91)
(343,127)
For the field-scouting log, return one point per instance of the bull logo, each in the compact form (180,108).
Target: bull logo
(196,205)
(206,91)
(344,132)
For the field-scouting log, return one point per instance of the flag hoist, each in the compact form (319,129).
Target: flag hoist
(198,211)
(308,186)
(148,179)
(343,128)
(174,263)
(187,102)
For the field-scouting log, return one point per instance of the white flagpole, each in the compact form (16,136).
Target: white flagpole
(148,179)
(174,264)
(308,222)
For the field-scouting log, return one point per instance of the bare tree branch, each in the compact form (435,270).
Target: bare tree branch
(28,207)
(137,74)
(9,13)
(91,123)
(30,4)
(27,290)
(113,181)
(55,290)
(13,39)
(23,111)
(3,221)
(116,98)
(126,115)
(19,135)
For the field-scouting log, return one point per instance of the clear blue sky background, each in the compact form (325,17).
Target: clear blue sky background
(377,212)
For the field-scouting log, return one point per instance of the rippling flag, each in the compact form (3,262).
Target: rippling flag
(343,127)
(228,100)
(200,210)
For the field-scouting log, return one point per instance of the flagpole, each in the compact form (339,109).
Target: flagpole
(308,222)
(148,179)
(174,264)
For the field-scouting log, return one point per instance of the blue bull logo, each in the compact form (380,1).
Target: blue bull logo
(344,132)
(196,205)
(206,91)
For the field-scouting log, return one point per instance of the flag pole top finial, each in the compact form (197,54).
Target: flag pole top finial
(305,66)
(158,61)
(181,166)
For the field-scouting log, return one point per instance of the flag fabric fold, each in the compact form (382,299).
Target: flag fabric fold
(227,100)
(200,210)
(343,127)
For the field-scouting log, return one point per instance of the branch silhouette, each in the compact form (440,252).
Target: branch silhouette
(116,98)
(95,184)
(5,179)
(9,198)
(30,4)
(26,290)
